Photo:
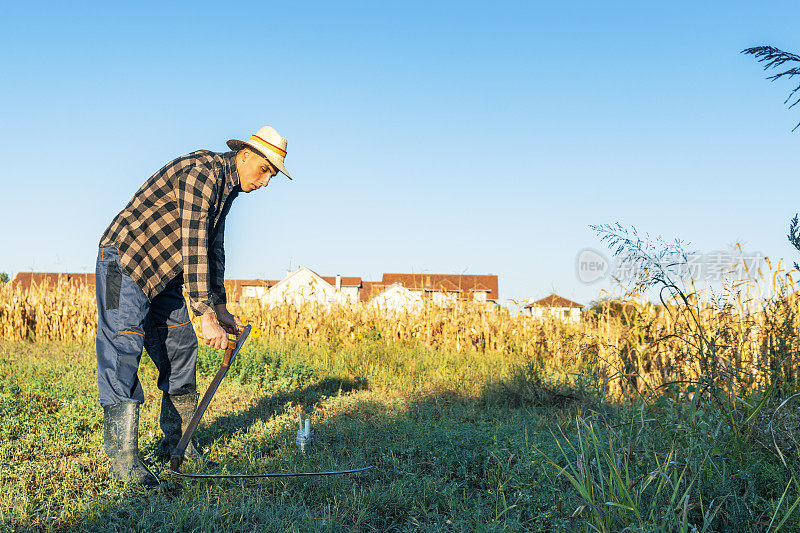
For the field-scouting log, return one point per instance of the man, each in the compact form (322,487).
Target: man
(169,236)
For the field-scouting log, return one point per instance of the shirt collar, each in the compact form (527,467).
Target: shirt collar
(231,174)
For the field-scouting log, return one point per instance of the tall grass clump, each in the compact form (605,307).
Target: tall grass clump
(732,348)
(707,372)
(627,477)
(617,492)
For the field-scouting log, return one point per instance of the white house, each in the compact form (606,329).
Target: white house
(300,287)
(397,298)
(256,290)
(304,286)
(555,306)
(346,287)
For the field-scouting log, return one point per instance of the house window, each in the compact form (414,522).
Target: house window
(566,313)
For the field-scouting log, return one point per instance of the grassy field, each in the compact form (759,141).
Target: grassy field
(461,441)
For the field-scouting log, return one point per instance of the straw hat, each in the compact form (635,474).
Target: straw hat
(268,143)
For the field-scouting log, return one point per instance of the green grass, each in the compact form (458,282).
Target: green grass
(460,442)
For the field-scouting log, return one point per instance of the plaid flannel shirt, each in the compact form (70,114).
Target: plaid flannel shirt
(175,224)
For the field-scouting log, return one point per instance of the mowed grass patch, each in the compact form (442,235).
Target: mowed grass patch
(458,444)
(434,453)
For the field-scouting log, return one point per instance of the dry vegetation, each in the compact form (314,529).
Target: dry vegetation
(742,341)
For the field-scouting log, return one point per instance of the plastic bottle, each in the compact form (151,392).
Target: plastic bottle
(305,435)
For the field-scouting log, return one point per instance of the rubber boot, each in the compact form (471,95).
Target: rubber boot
(121,439)
(176,412)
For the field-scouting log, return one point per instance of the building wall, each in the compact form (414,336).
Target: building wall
(397,298)
(567,314)
(349,294)
(254,291)
(301,287)
(444,298)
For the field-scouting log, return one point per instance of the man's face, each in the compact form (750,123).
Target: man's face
(254,170)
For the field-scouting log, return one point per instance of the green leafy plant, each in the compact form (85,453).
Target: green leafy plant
(622,489)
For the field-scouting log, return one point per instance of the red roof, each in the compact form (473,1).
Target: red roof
(347,281)
(234,287)
(25,280)
(553,300)
(452,282)
(370,289)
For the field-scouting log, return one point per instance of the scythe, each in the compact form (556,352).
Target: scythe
(234,345)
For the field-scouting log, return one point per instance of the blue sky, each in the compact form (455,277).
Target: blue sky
(448,137)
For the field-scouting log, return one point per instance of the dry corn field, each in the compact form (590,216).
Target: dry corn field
(745,341)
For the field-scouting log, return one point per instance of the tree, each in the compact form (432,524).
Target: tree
(773,58)
(4,277)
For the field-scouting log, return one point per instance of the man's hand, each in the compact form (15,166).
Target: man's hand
(212,332)
(229,322)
